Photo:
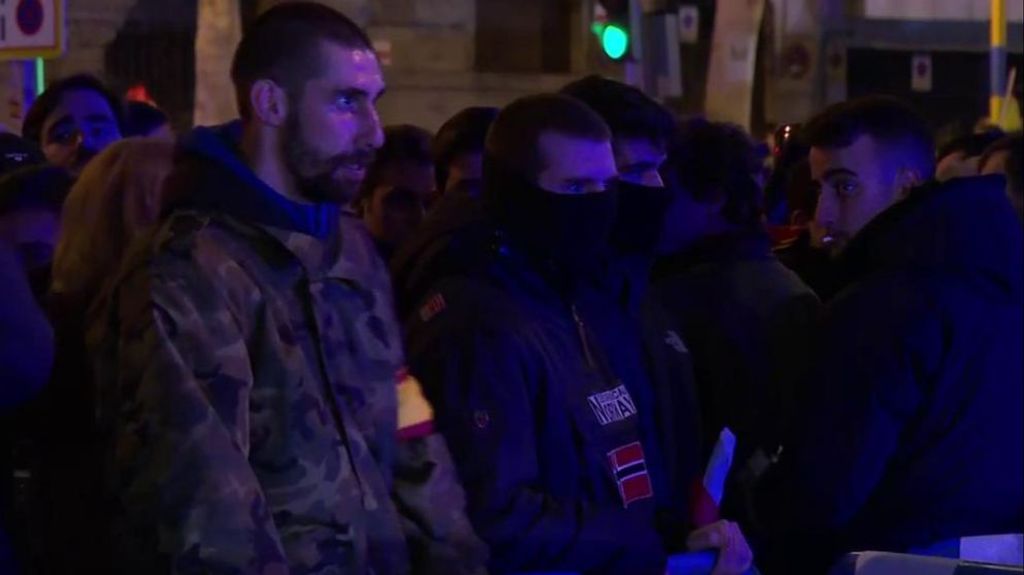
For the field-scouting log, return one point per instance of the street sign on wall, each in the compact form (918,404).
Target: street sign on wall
(31,29)
(921,73)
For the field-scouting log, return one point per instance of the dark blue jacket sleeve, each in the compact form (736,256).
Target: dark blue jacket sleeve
(26,338)
(876,347)
(480,385)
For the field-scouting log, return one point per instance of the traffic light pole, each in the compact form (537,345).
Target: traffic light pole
(655,56)
(997,61)
(634,66)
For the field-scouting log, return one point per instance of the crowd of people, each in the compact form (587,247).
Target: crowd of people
(577,334)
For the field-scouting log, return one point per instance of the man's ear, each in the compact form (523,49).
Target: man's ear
(906,180)
(269,103)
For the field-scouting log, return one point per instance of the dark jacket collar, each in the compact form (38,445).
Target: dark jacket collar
(965,225)
(721,249)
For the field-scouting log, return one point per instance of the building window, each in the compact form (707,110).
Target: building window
(524,36)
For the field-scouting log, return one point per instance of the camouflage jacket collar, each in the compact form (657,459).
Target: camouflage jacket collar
(333,257)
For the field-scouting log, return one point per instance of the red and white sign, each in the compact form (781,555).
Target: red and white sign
(689,24)
(921,73)
(31,29)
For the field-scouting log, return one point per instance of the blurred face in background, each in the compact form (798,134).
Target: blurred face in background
(398,203)
(465,167)
(80,127)
(1000,163)
(33,231)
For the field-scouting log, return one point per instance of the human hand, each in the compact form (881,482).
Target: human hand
(734,554)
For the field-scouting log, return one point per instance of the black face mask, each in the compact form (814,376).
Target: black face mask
(641,218)
(570,232)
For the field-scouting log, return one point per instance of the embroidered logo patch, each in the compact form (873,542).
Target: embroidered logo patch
(630,472)
(612,405)
(432,307)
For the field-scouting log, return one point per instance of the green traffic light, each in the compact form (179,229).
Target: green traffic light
(614,41)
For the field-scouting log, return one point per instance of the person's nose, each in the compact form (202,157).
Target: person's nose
(827,212)
(372,133)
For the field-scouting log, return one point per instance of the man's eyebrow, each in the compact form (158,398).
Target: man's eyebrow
(350,92)
(357,93)
(65,119)
(838,172)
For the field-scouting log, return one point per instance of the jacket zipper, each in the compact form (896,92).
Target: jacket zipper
(581,329)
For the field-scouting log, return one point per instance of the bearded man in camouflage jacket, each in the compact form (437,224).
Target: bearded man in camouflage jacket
(249,366)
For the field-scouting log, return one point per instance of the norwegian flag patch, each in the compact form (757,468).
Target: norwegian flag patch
(630,471)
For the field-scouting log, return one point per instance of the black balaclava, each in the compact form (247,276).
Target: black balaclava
(641,218)
(567,232)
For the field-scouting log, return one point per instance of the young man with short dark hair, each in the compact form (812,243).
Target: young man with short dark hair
(256,414)
(73,120)
(544,402)
(865,156)
(912,432)
(747,319)
(397,188)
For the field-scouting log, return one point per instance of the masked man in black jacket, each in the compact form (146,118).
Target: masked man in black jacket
(544,414)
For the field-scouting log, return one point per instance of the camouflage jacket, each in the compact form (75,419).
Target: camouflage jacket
(247,370)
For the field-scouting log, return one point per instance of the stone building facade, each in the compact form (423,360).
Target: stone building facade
(430,46)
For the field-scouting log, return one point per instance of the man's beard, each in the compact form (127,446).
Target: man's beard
(313,173)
